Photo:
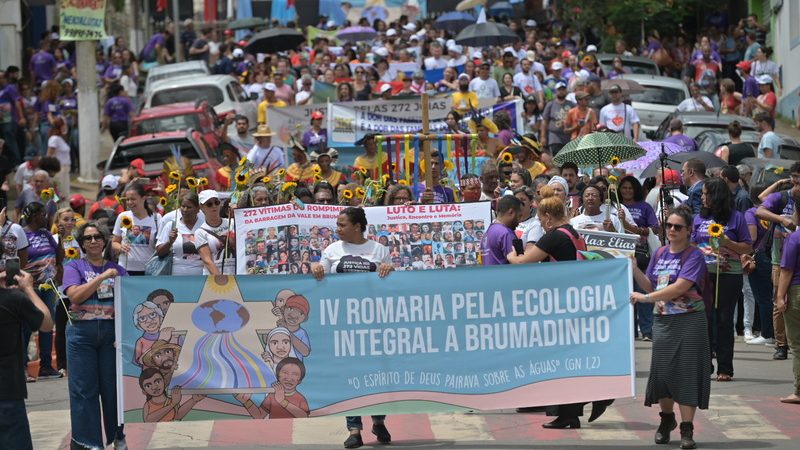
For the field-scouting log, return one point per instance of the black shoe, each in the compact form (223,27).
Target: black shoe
(530,409)
(353,441)
(598,408)
(667,424)
(380,432)
(563,422)
(49,372)
(781,353)
(647,338)
(687,435)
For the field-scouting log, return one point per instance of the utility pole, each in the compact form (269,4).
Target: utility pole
(88,111)
(178,44)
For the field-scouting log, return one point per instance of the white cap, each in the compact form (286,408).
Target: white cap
(455,48)
(440,41)
(330,24)
(238,53)
(413,37)
(463,75)
(591,48)
(207,195)
(391,32)
(450,43)
(270,87)
(509,50)
(557,65)
(386,87)
(381,51)
(109,182)
(187,22)
(764,79)
(561,84)
(530,23)
(410,26)
(583,75)
(55,36)
(530,55)
(477,54)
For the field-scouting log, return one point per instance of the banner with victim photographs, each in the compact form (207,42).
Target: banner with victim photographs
(285,239)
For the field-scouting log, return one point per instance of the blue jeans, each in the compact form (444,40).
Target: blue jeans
(354,422)
(761,284)
(45,338)
(14,429)
(44,135)
(92,382)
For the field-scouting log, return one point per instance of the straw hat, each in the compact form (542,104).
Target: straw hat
(147,358)
(263,131)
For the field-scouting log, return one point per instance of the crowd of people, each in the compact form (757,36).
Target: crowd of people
(727,245)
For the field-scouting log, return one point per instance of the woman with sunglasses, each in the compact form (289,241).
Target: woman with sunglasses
(681,361)
(89,283)
(361,86)
(213,239)
(135,231)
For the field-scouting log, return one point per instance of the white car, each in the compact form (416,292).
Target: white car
(174,70)
(223,92)
(660,98)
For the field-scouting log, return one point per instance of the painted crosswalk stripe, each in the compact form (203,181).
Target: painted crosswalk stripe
(320,430)
(738,420)
(48,428)
(610,428)
(182,434)
(459,427)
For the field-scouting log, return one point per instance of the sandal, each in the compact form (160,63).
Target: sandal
(724,377)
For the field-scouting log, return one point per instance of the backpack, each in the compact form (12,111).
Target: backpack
(578,242)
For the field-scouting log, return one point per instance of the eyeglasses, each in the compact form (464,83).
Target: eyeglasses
(212,203)
(93,237)
(508,174)
(147,317)
(675,226)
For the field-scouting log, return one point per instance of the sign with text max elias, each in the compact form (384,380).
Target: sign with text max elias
(198,348)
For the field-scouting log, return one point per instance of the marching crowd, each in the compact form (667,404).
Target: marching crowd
(724,245)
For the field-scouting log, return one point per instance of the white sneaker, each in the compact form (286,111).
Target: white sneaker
(748,334)
(120,444)
(769,342)
(756,341)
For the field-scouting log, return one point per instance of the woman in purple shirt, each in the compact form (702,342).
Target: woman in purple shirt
(759,266)
(787,298)
(117,112)
(722,255)
(679,368)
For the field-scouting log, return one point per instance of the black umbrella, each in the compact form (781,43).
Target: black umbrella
(454,21)
(676,162)
(247,23)
(275,40)
(486,34)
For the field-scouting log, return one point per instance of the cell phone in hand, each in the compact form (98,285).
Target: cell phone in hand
(12,270)
(518,247)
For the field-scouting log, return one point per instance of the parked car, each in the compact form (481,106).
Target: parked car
(163,72)
(223,92)
(660,98)
(711,140)
(764,170)
(156,148)
(695,123)
(636,64)
(180,117)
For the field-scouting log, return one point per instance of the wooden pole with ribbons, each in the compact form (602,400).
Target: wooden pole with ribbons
(426,144)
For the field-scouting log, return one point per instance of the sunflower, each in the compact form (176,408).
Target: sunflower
(612,179)
(202,181)
(266,180)
(242,178)
(448,165)
(162,201)
(507,157)
(281,172)
(316,170)
(118,200)
(317,177)
(71,253)
(615,161)
(348,194)
(243,161)
(363,170)
(192,182)
(175,175)
(46,195)
(778,170)
(402,182)
(170,189)
(360,193)
(715,230)
(46,287)
(288,185)
(126,222)
(385,178)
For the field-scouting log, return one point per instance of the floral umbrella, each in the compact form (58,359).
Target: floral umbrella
(653,150)
(598,149)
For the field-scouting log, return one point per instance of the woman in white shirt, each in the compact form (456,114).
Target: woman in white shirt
(180,237)
(58,147)
(135,231)
(355,253)
(215,246)
(593,218)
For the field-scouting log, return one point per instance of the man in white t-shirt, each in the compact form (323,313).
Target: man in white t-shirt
(696,101)
(619,117)
(528,83)
(264,155)
(483,86)
(435,61)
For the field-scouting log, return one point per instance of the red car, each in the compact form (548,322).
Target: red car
(199,116)
(156,148)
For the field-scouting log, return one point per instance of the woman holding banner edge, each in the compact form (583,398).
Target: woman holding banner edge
(355,253)
(680,368)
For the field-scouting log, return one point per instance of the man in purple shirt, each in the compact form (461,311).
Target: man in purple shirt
(750,90)
(11,115)
(499,238)
(42,65)
(678,138)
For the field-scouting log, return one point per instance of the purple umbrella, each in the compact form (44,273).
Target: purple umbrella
(357,34)
(653,149)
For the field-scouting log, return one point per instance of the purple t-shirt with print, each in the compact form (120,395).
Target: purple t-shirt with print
(669,264)
(685,142)
(118,109)
(791,256)
(100,305)
(642,214)
(735,230)
(8,98)
(497,243)
(42,64)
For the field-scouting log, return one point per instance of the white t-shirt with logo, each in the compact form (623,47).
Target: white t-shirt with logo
(343,257)
(14,239)
(185,258)
(487,88)
(616,117)
(202,238)
(141,237)
(586,222)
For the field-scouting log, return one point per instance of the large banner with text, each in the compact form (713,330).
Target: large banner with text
(233,347)
(82,20)
(285,239)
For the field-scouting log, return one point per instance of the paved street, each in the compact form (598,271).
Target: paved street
(744,414)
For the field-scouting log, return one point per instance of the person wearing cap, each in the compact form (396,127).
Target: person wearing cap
(553,130)
(677,137)
(766,102)
(369,159)
(619,117)
(457,56)
(555,76)
(749,88)
(696,101)
(108,186)
(528,82)
(214,240)
(324,159)
(435,61)
(270,101)
(484,86)
(304,95)
(581,119)
(89,284)
(77,203)
(316,136)
(385,91)
(355,253)
(464,99)
(264,155)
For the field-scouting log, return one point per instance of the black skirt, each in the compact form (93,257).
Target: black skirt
(680,368)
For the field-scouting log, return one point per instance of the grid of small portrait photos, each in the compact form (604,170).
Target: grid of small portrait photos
(291,249)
